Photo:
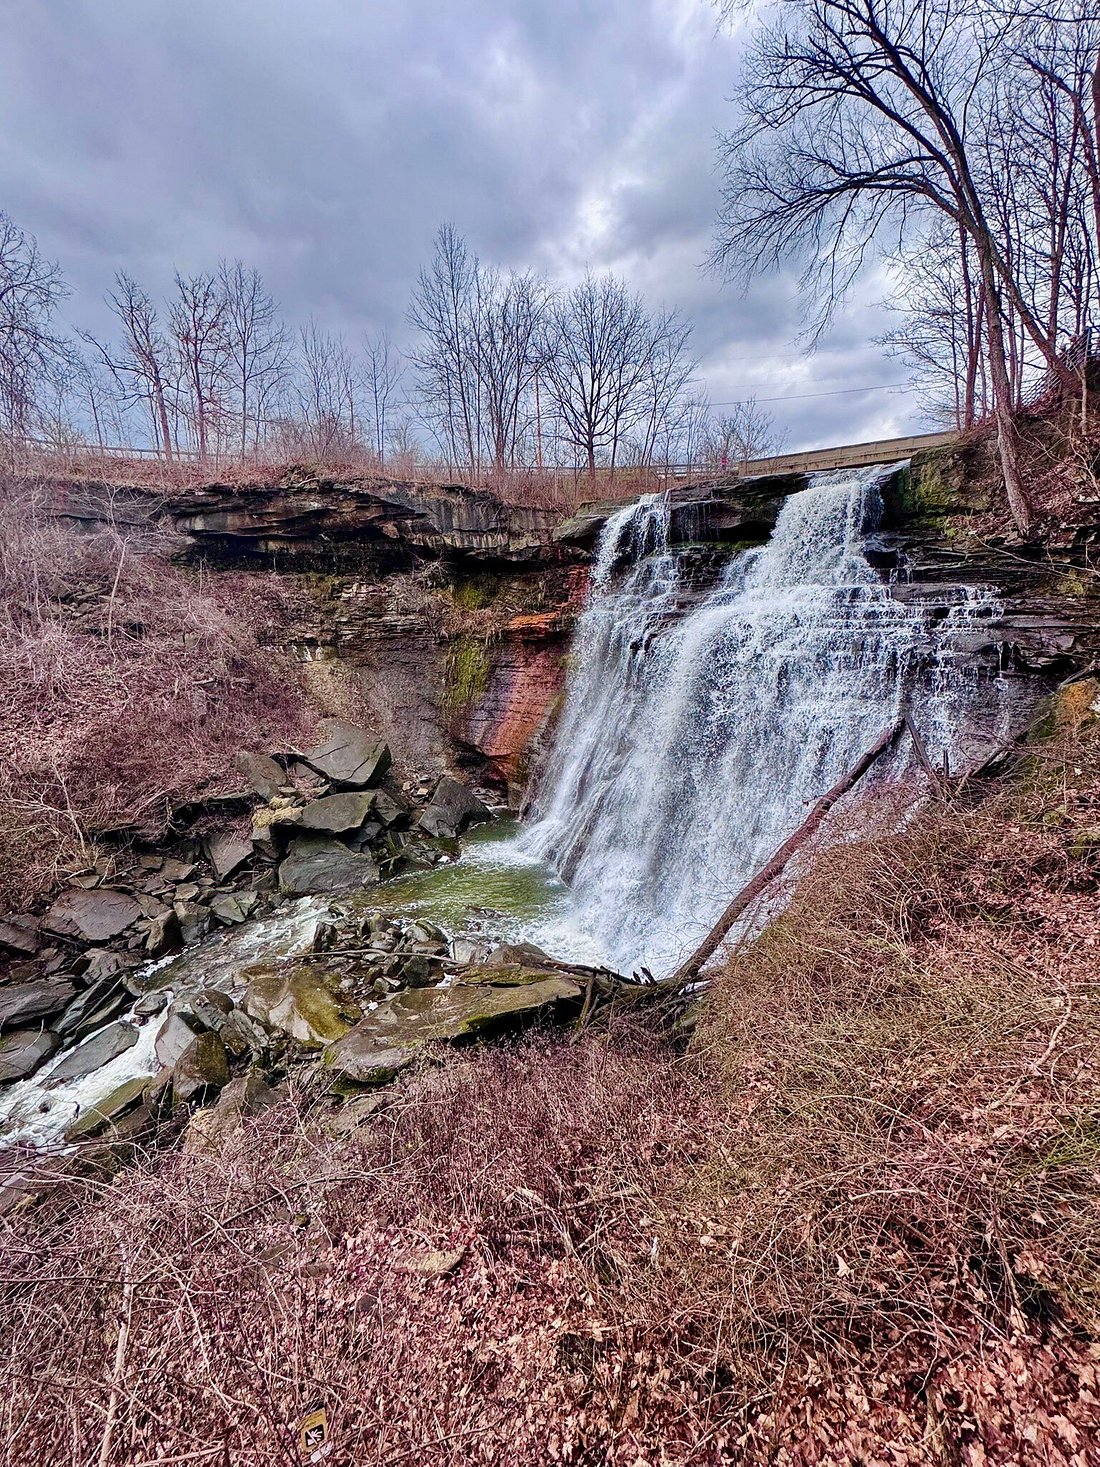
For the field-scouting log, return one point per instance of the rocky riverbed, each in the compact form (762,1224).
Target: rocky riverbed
(250,946)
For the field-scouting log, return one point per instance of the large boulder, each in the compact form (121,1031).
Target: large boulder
(23,1050)
(262,773)
(349,756)
(22,1002)
(174,1037)
(317,863)
(302,1002)
(201,1070)
(94,1053)
(452,809)
(389,1036)
(94,916)
(336,813)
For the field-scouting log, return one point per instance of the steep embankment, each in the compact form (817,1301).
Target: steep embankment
(855,1221)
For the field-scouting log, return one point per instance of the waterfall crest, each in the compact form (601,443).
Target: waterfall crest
(692,739)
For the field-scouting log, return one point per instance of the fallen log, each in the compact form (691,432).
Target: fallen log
(689,970)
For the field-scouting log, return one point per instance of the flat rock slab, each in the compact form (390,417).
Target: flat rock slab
(337,812)
(23,1050)
(301,1002)
(317,863)
(95,916)
(103,1047)
(20,934)
(22,1002)
(226,852)
(347,755)
(97,1118)
(388,1038)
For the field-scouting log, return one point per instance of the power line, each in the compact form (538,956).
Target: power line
(802,396)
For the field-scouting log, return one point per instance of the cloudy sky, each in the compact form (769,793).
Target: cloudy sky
(325,140)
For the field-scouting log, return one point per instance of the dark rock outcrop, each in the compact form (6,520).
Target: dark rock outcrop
(317,863)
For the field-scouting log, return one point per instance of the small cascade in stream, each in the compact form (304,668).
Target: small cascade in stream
(692,739)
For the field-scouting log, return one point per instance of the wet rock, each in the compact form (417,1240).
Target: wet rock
(349,756)
(416,970)
(316,863)
(388,1038)
(23,1050)
(164,934)
(463,950)
(226,852)
(174,1037)
(387,809)
(262,773)
(93,916)
(20,934)
(109,1111)
(21,1002)
(302,1003)
(193,919)
(150,1004)
(201,1069)
(211,1007)
(452,809)
(522,954)
(233,907)
(94,1053)
(103,1001)
(337,813)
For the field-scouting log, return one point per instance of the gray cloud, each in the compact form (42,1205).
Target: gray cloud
(325,141)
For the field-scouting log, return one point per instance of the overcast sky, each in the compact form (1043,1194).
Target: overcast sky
(325,140)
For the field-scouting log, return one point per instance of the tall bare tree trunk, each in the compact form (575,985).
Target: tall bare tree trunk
(1008,444)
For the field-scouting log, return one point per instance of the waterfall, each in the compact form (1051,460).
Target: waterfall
(696,731)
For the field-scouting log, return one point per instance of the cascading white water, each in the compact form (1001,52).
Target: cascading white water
(691,741)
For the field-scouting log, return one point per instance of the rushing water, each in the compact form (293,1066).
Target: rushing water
(691,742)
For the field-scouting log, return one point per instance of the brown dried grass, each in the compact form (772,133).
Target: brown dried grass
(857,1222)
(126,683)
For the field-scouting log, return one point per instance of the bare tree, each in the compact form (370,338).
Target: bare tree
(442,310)
(595,354)
(863,113)
(507,316)
(745,432)
(31,288)
(663,390)
(327,391)
(198,320)
(383,371)
(256,347)
(142,369)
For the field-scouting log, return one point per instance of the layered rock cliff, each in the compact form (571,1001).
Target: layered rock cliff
(441,618)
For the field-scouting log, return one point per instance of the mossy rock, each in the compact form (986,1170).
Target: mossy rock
(467,674)
(301,1002)
(388,1038)
(97,1118)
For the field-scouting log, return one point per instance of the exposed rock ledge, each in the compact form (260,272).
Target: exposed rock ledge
(305,521)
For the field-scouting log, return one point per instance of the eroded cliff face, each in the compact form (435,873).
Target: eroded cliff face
(441,619)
